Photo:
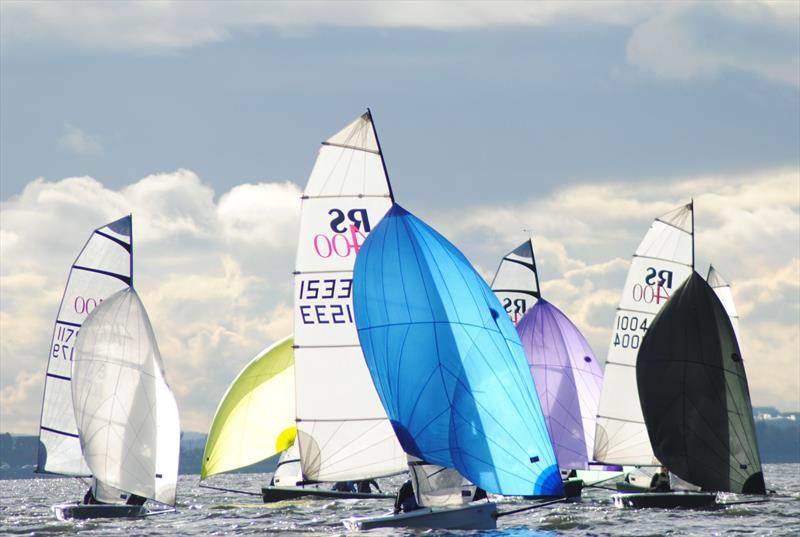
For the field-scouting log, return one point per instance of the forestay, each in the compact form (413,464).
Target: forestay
(126,414)
(447,363)
(694,394)
(663,260)
(255,418)
(343,432)
(103,267)
(516,282)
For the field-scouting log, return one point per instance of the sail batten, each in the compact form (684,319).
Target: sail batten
(338,412)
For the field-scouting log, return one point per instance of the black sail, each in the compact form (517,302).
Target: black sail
(694,395)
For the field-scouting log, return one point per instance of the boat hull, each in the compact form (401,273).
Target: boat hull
(78,511)
(278,494)
(666,500)
(474,516)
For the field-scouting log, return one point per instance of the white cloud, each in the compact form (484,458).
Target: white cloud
(215,273)
(174,24)
(683,40)
(688,40)
(81,143)
(216,293)
(748,225)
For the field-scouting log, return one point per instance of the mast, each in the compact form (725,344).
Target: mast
(691,207)
(131,250)
(535,268)
(380,151)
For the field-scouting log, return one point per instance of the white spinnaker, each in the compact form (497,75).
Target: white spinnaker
(663,260)
(342,428)
(723,291)
(102,268)
(126,414)
(516,283)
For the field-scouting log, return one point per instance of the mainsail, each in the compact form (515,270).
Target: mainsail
(447,363)
(663,260)
(694,393)
(255,418)
(342,429)
(126,414)
(516,282)
(723,290)
(565,371)
(103,267)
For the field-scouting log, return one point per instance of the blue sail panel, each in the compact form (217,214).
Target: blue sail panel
(447,362)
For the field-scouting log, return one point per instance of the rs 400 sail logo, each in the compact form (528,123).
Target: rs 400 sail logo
(348,232)
(656,287)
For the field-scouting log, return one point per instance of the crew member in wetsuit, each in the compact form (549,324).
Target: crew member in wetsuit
(344,486)
(365,485)
(133,499)
(89,499)
(660,481)
(405,501)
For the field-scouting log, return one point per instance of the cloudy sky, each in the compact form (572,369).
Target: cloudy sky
(578,121)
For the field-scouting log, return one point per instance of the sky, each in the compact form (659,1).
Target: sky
(576,122)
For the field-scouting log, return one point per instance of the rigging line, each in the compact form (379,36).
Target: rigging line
(535,506)
(203,486)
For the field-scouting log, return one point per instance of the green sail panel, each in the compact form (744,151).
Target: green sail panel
(694,395)
(255,418)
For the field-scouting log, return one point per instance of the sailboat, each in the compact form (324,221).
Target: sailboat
(696,402)
(256,420)
(343,433)
(565,371)
(450,371)
(107,411)
(661,263)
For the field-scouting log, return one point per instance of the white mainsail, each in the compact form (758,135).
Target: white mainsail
(342,428)
(723,290)
(516,282)
(663,260)
(103,267)
(126,414)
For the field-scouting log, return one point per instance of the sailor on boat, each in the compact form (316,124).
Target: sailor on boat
(365,486)
(344,486)
(660,481)
(406,501)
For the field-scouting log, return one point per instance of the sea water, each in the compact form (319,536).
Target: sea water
(25,510)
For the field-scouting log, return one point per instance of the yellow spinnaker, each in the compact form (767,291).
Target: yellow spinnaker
(255,418)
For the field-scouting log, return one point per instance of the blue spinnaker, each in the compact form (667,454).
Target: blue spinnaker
(447,362)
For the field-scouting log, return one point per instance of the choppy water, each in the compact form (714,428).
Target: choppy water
(25,510)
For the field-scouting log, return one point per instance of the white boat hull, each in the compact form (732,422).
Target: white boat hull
(666,500)
(474,516)
(78,511)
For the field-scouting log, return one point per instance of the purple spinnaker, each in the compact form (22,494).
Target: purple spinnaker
(568,379)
